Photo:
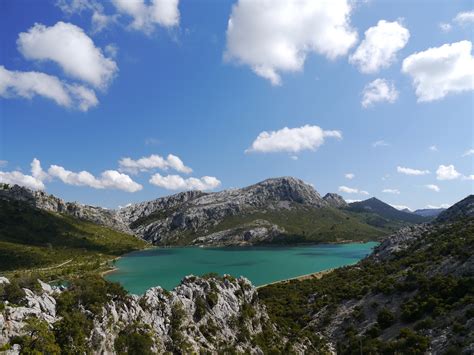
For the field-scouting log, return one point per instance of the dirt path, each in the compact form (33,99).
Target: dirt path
(55,266)
(314,275)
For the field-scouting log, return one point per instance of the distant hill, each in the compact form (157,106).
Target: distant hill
(429,212)
(380,214)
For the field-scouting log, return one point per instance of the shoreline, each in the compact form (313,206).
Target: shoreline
(313,275)
(114,268)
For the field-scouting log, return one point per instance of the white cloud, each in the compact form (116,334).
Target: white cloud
(294,157)
(410,171)
(352,201)
(3,163)
(468,152)
(401,207)
(351,190)
(433,148)
(349,176)
(445,27)
(292,140)
(33,181)
(71,48)
(29,84)
(16,177)
(154,162)
(447,172)
(109,179)
(176,182)
(146,16)
(391,191)
(380,143)
(379,90)
(440,71)
(276,36)
(464,18)
(433,187)
(443,205)
(379,48)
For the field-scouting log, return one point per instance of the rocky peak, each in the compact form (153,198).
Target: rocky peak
(335,200)
(287,189)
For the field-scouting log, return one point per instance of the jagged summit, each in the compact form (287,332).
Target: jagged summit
(335,200)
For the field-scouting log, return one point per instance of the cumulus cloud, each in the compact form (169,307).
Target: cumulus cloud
(14,84)
(276,36)
(410,171)
(351,190)
(443,205)
(379,90)
(109,179)
(468,152)
(17,177)
(391,191)
(379,48)
(154,162)
(440,71)
(349,176)
(33,181)
(3,163)
(464,18)
(433,148)
(433,187)
(292,140)
(146,16)
(447,172)
(72,49)
(176,182)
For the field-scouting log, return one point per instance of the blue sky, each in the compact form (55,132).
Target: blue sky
(169,88)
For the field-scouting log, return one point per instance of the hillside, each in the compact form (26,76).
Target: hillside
(31,238)
(429,212)
(414,294)
(381,215)
(279,210)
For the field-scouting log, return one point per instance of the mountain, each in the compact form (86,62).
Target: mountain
(39,231)
(429,212)
(335,200)
(412,295)
(461,210)
(279,210)
(380,214)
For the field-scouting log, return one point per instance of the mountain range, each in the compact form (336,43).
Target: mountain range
(279,210)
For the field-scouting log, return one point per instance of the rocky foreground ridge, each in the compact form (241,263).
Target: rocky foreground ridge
(210,315)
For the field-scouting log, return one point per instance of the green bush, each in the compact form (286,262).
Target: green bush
(385,318)
(135,339)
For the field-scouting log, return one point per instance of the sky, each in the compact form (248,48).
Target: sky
(111,103)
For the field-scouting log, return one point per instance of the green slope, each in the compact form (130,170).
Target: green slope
(398,305)
(302,224)
(32,238)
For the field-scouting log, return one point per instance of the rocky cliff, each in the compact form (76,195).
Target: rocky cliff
(50,203)
(201,315)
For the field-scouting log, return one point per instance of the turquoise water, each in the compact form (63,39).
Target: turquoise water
(165,267)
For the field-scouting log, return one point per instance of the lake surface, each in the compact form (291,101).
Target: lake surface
(165,267)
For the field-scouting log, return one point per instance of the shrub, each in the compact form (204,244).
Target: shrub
(385,318)
(134,339)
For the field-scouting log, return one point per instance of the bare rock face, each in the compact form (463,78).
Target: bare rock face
(335,200)
(50,203)
(164,220)
(199,314)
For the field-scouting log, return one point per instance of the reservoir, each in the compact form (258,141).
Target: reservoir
(165,267)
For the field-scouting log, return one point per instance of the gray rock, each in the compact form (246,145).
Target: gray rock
(335,200)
